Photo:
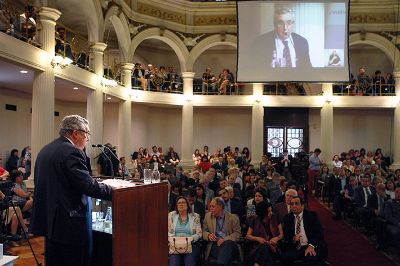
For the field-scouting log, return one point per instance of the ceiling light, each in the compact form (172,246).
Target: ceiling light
(23,71)
(76,88)
(108,98)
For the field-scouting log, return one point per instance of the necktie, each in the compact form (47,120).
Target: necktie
(298,230)
(368,192)
(286,54)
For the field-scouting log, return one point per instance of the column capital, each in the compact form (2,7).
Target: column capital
(188,75)
(127,66)
(98,47)
(48,14)
(396,75)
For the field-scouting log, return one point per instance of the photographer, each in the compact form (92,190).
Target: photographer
(21,197)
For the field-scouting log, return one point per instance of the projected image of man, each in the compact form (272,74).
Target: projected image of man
(289,49)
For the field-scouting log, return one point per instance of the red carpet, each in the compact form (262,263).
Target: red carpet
(346,246)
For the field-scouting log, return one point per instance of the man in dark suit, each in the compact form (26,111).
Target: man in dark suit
(196,206)
(376,203)
(281,48)
(304,235)
(392,215)
(283,208)
(232,205)
(338,186)
(284,164)
(61,210)
(361,195)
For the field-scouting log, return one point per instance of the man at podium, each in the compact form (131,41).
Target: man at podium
(61,209)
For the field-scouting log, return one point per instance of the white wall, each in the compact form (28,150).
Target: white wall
(361,56)
(15,131)
(218,58)
(355,129)
(221,127)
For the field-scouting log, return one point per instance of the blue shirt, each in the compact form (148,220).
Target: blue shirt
(183,229)
(227,206)
(220,230)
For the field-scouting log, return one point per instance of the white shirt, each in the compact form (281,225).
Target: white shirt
(279,50)
(366,195)
(303,239)
(337,164)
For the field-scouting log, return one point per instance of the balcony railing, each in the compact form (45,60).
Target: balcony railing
(368,89)
(72,45)
(158,84)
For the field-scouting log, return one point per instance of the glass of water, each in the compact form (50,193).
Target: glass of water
(147,173)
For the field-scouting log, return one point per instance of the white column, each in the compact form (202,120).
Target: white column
(42,129)
(257,125)
(187,121)
(327,125)
(124,116)
(396,76)
(396,126)
(94,111)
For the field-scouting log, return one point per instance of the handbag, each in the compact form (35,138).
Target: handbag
(180,245)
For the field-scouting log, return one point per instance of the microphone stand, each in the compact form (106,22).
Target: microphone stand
(108,158)
(115,156)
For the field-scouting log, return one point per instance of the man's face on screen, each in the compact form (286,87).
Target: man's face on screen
(284,25)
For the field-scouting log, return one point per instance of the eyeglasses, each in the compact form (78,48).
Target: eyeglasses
(283,23)
(86,132)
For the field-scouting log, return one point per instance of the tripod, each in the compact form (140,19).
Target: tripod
(11,203)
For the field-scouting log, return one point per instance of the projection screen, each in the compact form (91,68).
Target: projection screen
(293,41)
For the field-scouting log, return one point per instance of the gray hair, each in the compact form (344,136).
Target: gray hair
(219,201)
(291,190)
(282,11)
(71,123)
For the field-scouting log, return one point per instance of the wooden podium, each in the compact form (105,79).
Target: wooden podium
(139,230)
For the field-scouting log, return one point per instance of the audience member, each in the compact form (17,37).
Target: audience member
(314,168)
(392,215)
(183,222)
(12,161)
(283,208)
(222,231)
(361,195)
(21,197)
(264,232)
(304,235)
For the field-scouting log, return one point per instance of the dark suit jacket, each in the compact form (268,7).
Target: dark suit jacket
(372,203)
(62,184)
(312,228)
(261,53)
(282,165)
(359,195)
(200,209)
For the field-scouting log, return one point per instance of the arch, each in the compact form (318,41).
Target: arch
(94,18)
(120,24)
(379,42)
(207,43)
(168,37)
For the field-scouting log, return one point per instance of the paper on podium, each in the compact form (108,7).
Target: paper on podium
(118,183)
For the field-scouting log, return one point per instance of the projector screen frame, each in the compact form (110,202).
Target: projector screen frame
(347,4)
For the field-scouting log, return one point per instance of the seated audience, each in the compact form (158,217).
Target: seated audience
(259,196)
(376,203)
(392,215)
(3,172)
(209,82)
(11,218)
(21,197)
(183,222)
(204,164)
(195,205)
(283,208)
(264,232)
(232,205)
(390,189)
(304,235)
(222,231)
(361,195)
(196,157)
(12,162)
(225,80)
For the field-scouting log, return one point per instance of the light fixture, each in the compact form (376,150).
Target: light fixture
(108,82)
(76,88)
(23,71)
(108,98)
(60,61)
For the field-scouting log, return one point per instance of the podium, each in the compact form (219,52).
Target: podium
(139,228)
